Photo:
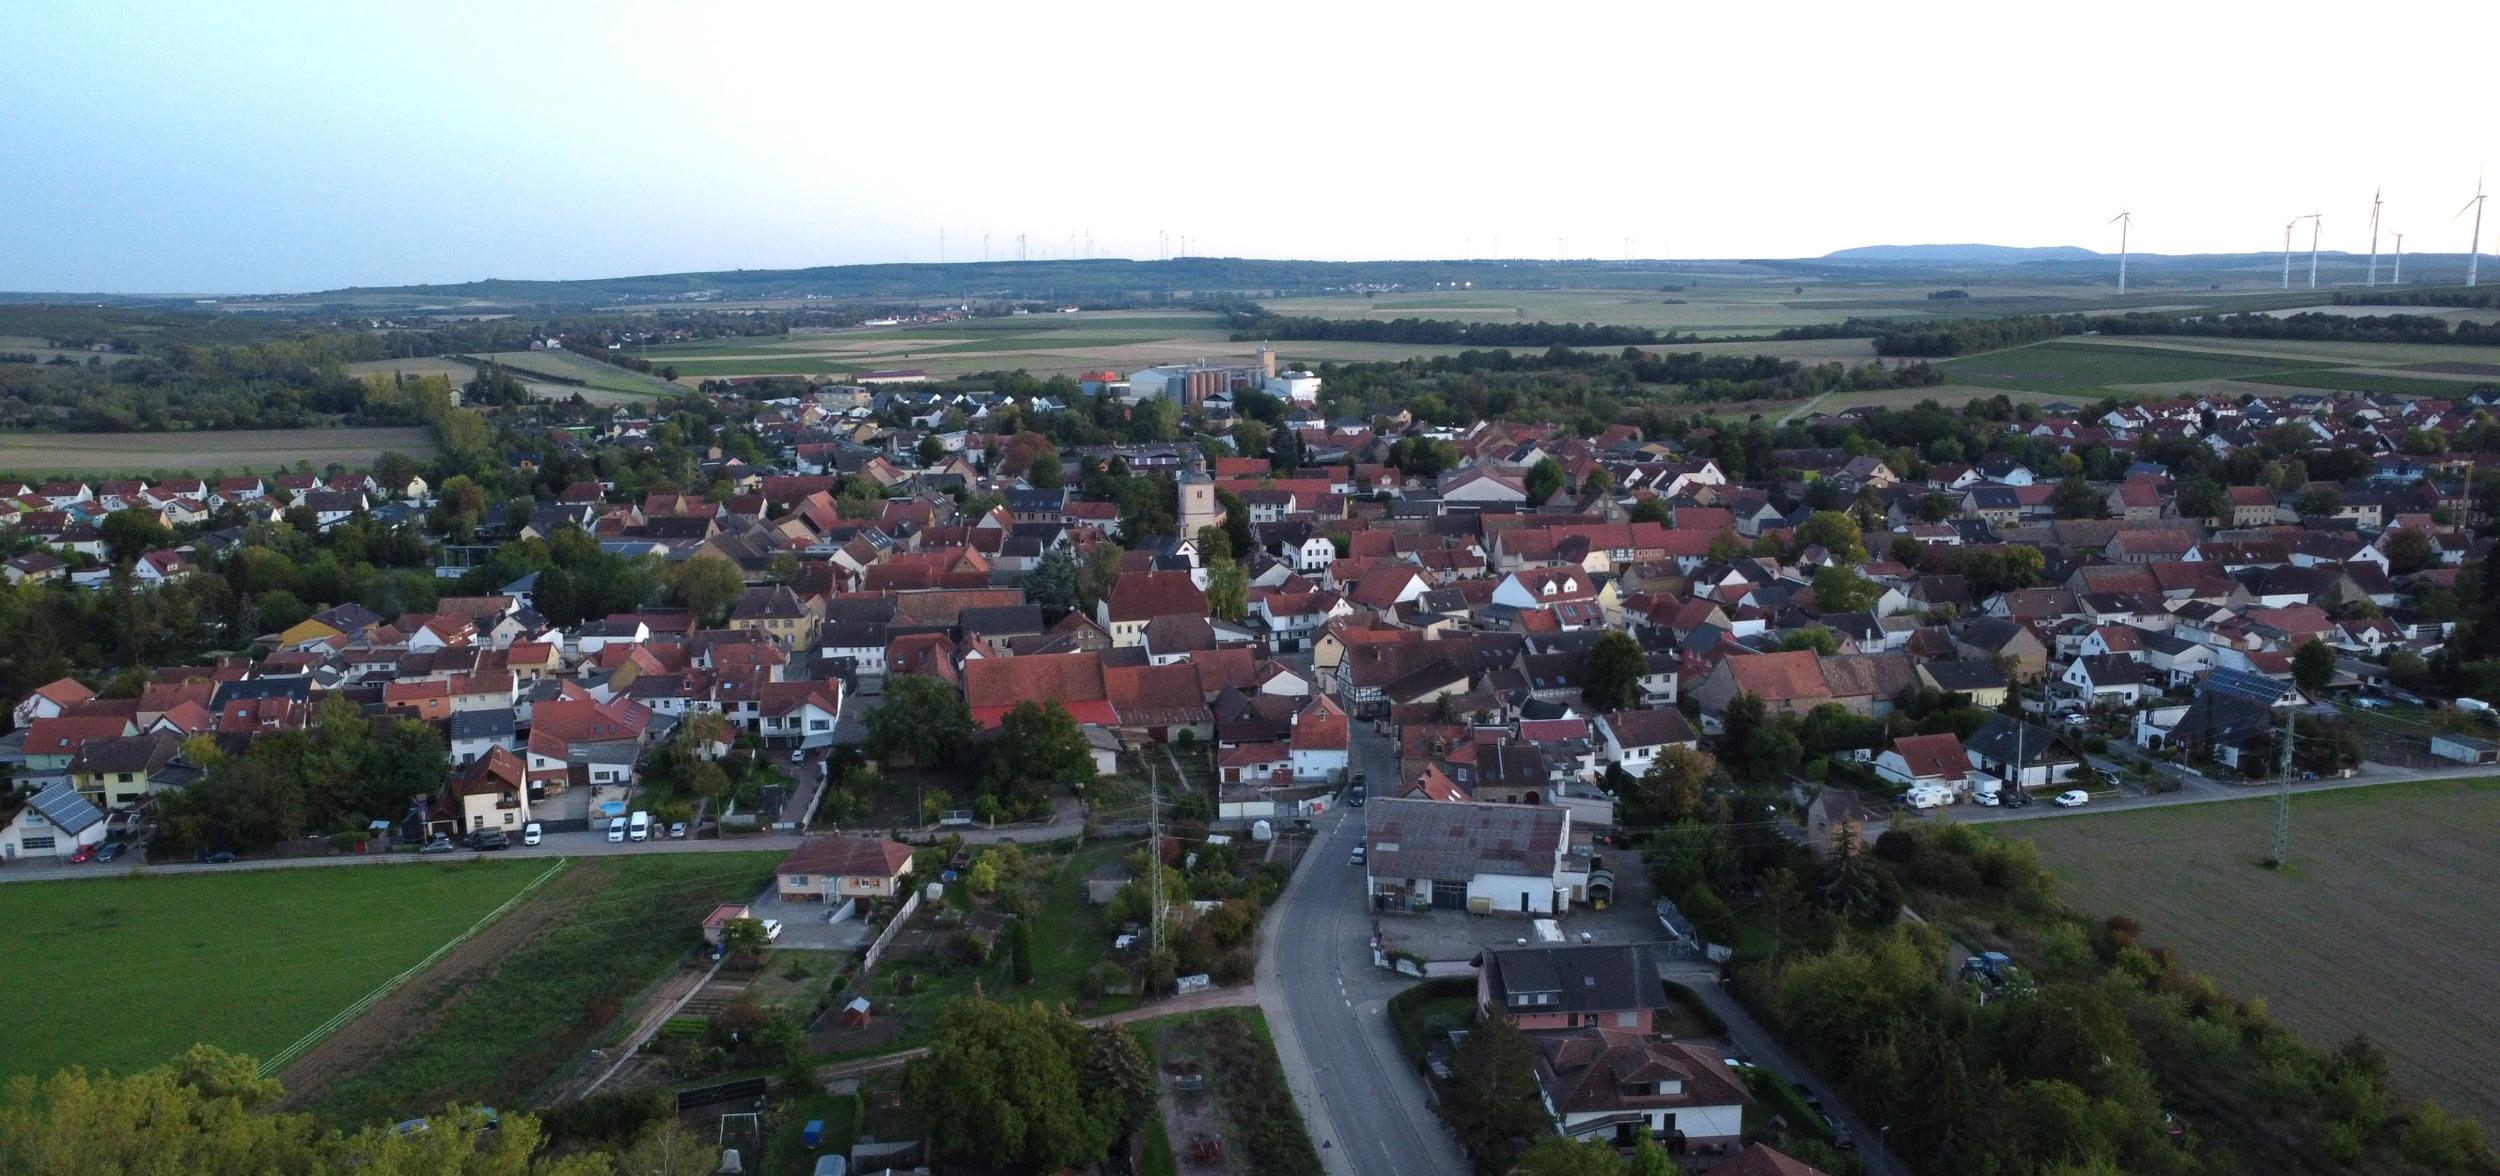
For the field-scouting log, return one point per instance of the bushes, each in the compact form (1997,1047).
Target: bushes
(1273,1138)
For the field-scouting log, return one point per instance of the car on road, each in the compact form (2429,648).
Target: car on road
(2073,798)
(532,833)
(489,839)
(86,853)
(1813,1101)
(438,845)
(1357,859)
(772,930)
(677,831)
(1984,799)
(220,858)
(1840,1134)
(110,850)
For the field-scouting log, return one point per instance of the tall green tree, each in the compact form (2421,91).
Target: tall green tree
(2313,666)
(919,719)
(1052,583)
(1545,479)
(1228,589)
(1613,679)
(1492,1096)
(1039,746)
(1010,1083)
(709,585)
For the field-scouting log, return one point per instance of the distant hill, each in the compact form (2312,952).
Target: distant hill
(1961,254)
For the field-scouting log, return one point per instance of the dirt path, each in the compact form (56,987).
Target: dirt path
(1213,998)
(417,1005)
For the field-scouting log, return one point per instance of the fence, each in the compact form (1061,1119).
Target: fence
(885,937)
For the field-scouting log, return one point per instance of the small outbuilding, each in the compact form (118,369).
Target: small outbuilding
(2465,749)
(855,1014)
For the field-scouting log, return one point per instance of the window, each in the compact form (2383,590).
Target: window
(796,880)
(1588,1020)
(35,843)
(1628,1020)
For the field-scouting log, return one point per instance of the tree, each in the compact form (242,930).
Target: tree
(1836,533)
(1545,479)
(1039,745)
(1009,1082)
(2408,551)
(1100,571)
(2204,498)
(1813,637)
(129,534)
(1840,589)
(1228,590)
(2318,501)
(1020,951)
(1671,789)
(2313,666)
(920,719)
(1249,437)
(2078,498)
(1492,1095)
(744,937)
(1052,582)
(1616,665)
(930,451)
(709,585)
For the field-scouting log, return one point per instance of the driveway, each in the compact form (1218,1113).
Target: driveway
(803,925)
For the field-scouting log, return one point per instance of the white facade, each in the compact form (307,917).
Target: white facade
(1299,387)
(1695,1122)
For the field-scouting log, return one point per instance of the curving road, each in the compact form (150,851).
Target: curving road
(1368,1110)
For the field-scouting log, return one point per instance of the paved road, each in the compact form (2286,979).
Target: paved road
(2197,789)
(1367,1109)
(1757,1044)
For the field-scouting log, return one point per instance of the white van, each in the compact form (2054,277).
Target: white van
(1926,797)
(641,830)
(616,830)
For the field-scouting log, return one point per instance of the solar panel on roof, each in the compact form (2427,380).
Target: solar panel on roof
(2244,686)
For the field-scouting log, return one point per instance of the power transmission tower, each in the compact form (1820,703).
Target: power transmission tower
(2281,851)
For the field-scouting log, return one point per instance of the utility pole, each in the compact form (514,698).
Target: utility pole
(1154,851)
(2281,851)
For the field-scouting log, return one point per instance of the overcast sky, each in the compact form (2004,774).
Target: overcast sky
(243,147)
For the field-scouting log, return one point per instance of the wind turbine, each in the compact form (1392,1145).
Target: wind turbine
(2124,221)
(2316,222)
(2374,203)
(2474,248)
(2399,278)
(2288,226)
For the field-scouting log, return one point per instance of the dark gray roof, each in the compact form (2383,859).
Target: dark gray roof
(1584,978)
(483,724)
(1442,841)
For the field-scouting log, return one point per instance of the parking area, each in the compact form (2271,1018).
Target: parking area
(1456,935)
(803,925)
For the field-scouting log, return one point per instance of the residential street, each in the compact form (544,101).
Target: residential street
(1368,1110)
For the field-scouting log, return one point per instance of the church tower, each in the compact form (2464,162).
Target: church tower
(1198,505)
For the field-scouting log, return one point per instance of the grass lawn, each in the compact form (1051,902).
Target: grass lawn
(599,936)
(2379,925)
(244,961)
(785,1148)
(2070,366)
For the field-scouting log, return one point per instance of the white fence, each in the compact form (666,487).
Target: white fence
(869,962)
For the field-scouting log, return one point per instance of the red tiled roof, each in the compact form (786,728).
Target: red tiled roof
(849,857)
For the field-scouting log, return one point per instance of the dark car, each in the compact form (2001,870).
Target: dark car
(219,858)
(109,851)
(486,839)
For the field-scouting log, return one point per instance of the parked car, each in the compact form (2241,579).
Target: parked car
(1358,855)
(2073,798)
(772,930)
(1985,799)
(616,830)
(489,839)
(2013,798)
(219,858)
(677,831)
(2406,697)
(110,850)
(798,755)
(1840,1134)
(2367,703)
(86,853)
(532,833)
(438,845)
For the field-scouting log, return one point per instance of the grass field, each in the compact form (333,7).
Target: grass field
(457,371)
(590,374)
(234,451)
(2381,925)
(2073,367)
(494,1024)
(147,966)
(2365,380)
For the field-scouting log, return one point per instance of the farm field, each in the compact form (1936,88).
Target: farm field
(589,376)
(2328,352)
(245,961)
(457,371)
(509,1009)
(235,451)
(2379,926)
(2074,367)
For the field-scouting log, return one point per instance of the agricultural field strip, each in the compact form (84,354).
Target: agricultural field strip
(2368,930)
(278,1061)
(103,454)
